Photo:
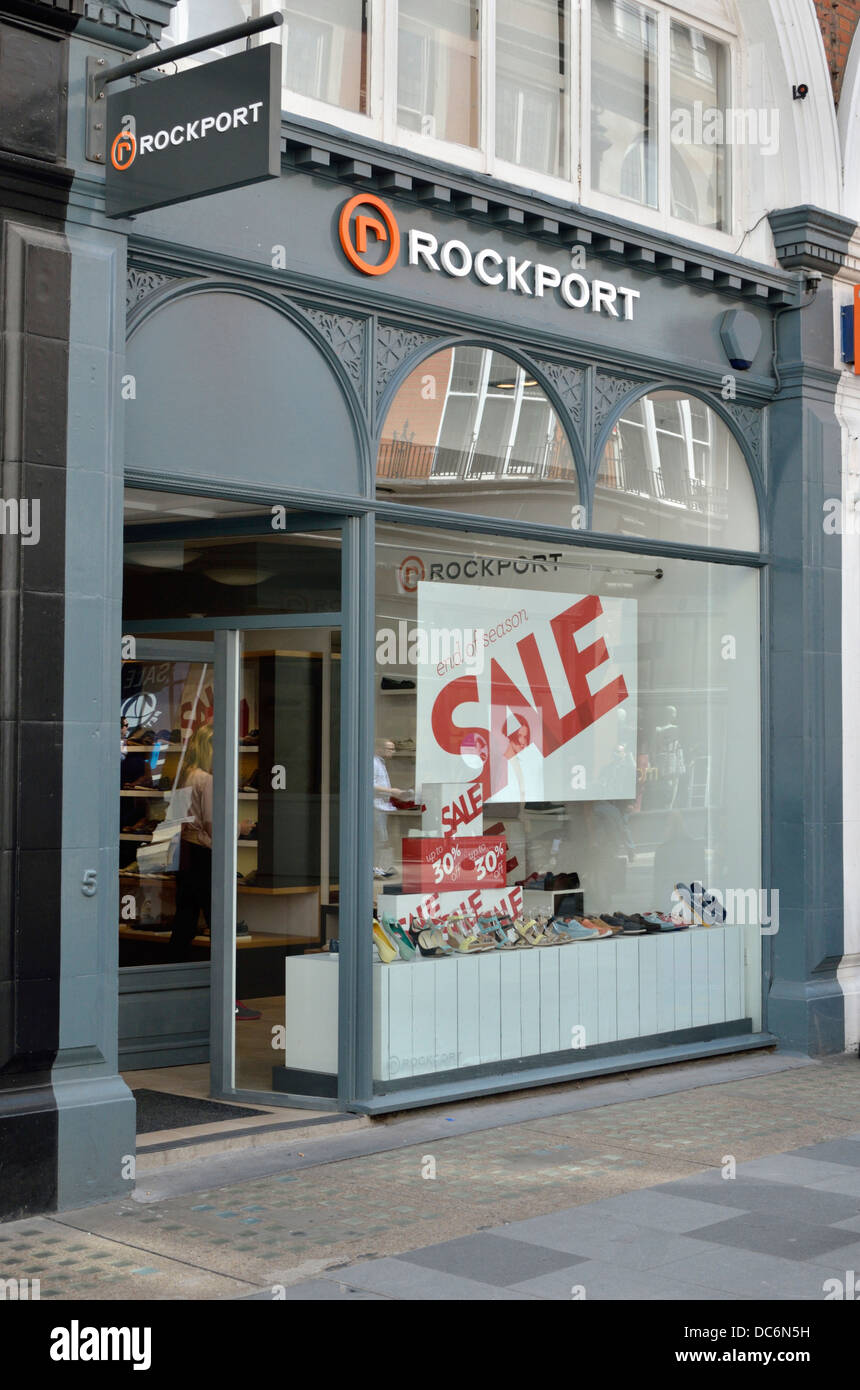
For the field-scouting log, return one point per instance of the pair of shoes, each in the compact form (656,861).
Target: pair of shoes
(243,1012)
(622,925)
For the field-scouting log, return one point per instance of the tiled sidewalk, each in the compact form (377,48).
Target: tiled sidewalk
(535,1196)
(780,1229)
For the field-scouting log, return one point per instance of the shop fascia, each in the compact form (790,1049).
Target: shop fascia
(524,277)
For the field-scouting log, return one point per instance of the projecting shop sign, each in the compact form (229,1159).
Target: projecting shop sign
(205,130)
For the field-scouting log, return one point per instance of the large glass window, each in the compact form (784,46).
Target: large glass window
(699,97)
(325,51)
(437,69)
(621,99)
(566,789)
(672,470)
(470,429)
(624,100)
(532,66)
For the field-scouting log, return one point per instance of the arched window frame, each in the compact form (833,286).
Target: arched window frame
(526,363)
(753,467)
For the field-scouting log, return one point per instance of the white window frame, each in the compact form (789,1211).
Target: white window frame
(660,218)
(358,123)
(380,121)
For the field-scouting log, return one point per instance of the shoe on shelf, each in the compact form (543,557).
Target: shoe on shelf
(385,947)
(242,929)
(243,1012)
(382,873)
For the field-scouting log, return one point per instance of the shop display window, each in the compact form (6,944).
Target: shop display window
(566,800)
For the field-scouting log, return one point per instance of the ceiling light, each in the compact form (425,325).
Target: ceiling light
(239,578)
(156,556)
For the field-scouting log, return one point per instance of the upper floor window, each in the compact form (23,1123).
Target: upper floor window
(532,84)
(625,105)
(325,51)
(437,70)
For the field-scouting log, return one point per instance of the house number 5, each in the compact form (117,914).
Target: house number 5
(89,882)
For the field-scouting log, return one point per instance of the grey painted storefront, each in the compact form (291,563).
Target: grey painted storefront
(288,408)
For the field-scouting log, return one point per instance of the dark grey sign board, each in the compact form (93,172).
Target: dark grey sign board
(213,127)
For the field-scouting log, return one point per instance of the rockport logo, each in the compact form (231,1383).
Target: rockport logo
(126,147)
(76,1343)
(366,216)
(492,567)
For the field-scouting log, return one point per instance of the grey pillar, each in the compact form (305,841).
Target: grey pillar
(805,1007)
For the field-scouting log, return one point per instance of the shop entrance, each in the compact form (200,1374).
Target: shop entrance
(229,814)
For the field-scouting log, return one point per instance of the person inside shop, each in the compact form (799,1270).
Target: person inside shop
(194,876)
(382,807)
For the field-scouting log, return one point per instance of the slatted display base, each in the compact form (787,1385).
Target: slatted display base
(433,1015)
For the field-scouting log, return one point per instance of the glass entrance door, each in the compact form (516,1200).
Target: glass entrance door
(287,853)
(166,797)
(257,857)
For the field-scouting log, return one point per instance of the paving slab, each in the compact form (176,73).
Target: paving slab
(598,1280)
(401,1279)
(745,1273)
(733,1195)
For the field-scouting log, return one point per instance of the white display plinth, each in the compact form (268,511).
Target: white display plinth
(439,1013)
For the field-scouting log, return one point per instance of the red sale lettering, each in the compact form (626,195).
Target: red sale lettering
(462,810)
(539,723)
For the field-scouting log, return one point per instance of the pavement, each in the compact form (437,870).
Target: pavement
(728,1179)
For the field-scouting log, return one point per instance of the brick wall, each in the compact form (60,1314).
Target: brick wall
(837,20)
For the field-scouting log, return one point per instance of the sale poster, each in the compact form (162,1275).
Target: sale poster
(532,697)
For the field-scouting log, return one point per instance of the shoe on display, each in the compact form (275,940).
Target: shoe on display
(564,882)
(382,873)
(242,929)
(243,1012)
(400,938)
(385,947)
(391,683)
(404,745)
(706,906)
(680,909)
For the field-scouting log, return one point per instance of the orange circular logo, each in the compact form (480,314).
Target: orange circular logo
(411,571)
(123,150)
(383,228)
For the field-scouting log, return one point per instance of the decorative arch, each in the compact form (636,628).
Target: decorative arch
(782,46)
(734,418)
(563,384)
(849,130)
(268,358)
